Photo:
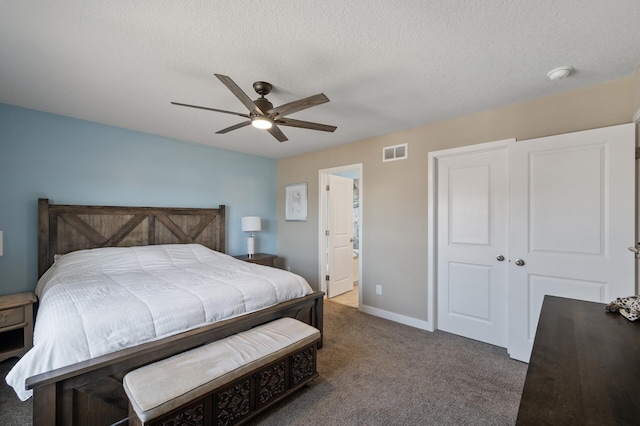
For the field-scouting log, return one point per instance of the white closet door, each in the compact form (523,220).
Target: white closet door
(472,217)
(572,209)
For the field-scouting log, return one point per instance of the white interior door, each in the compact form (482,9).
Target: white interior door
(472,233)
(340,235)
(572,209)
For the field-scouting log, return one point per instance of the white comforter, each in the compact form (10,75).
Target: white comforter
(93,302)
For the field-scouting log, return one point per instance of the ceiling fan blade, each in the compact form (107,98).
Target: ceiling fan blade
(277,133)
(234,127)
(305,124)
(236,90)
(299,105)
(211,109)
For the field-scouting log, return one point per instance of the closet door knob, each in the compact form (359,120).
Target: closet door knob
(519,262)
(500,258)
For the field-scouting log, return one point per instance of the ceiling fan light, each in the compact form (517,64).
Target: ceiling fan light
(261,123)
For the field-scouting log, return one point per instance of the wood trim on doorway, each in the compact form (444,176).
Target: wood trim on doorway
(321,219)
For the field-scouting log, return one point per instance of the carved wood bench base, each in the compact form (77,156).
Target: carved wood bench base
(236,402)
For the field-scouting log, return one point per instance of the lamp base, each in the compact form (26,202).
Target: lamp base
(251,246)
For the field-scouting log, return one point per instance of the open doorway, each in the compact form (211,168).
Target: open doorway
(341,243)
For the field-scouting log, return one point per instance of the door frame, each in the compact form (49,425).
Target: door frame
(432,219)
(322,218)
(636,120)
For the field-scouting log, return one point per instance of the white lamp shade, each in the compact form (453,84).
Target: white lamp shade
(251,224)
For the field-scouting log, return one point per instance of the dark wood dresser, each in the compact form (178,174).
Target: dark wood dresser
(584,367)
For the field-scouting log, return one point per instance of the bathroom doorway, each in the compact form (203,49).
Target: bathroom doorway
(350,297)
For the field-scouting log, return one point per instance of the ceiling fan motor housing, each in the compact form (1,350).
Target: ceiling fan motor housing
(263,104)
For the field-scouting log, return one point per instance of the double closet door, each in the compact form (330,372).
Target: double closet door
(519,220)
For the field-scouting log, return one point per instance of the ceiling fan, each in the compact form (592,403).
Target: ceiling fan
(263,115)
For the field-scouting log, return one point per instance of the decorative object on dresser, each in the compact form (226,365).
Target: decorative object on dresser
(16,324)
(259,258)
(251,224)
(90,392)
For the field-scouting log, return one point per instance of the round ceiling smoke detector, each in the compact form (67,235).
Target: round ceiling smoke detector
(559,73)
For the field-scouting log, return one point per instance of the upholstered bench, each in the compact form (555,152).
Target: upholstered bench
(226,381)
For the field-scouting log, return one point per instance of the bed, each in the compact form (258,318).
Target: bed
(89,391)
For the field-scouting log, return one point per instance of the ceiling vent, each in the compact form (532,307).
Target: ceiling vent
(396,152)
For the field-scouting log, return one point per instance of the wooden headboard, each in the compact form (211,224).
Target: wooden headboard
(66,228)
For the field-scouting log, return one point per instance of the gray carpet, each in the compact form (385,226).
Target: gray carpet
(377,372)
(13,412)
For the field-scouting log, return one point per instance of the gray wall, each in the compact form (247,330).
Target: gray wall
(394,194)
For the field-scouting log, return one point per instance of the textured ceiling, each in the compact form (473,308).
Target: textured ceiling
(385,65)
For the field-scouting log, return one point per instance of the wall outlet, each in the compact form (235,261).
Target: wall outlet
(378,289)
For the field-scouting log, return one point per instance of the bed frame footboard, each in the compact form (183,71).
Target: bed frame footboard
(90,392)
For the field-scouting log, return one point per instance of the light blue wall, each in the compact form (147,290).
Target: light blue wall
(72,161)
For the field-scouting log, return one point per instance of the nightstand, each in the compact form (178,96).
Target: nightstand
(16,324)
(259,258)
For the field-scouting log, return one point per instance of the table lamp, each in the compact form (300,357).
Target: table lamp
(251,224)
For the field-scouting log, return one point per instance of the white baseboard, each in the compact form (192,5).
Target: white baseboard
(392,316)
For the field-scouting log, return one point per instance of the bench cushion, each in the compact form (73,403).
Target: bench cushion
(160,387)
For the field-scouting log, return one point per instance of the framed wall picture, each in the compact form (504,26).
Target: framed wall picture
(296,202)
